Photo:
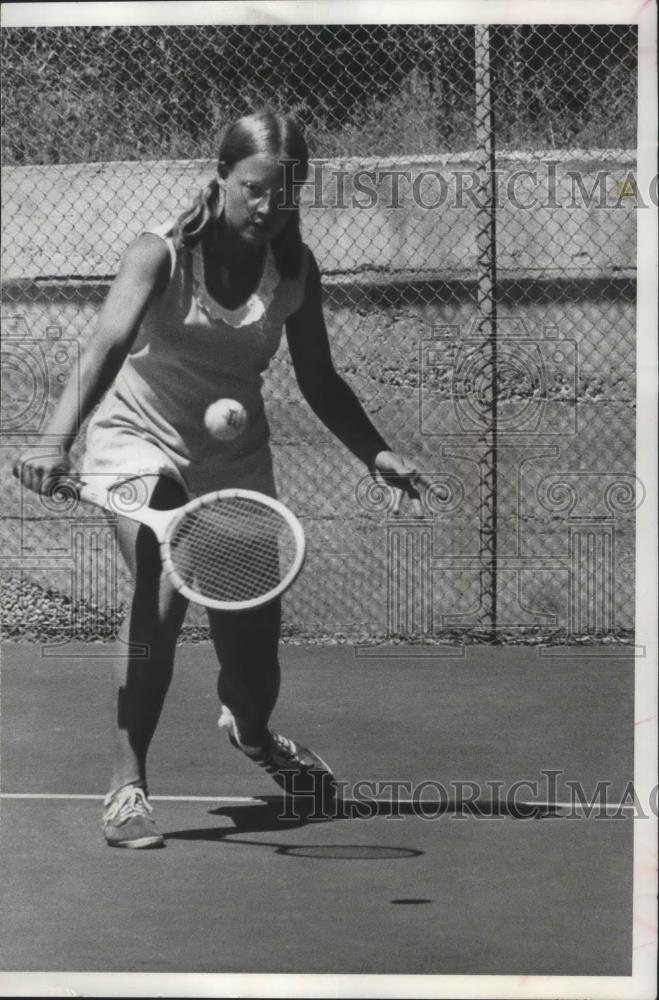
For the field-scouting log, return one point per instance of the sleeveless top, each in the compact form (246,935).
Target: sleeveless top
(189,352)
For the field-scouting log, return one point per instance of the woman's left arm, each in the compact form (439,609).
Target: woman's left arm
(328,395)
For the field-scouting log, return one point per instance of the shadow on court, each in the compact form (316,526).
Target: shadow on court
(440,858)
(278,815)
(274,815)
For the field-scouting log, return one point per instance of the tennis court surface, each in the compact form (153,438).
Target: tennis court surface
(425,884)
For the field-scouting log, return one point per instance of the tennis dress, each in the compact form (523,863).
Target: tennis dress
(189,352)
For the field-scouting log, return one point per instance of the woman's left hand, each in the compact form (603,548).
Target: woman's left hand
(402,476)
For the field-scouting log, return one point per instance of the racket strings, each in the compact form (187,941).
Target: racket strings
(233,549)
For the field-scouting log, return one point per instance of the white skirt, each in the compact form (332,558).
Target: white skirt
(121,446)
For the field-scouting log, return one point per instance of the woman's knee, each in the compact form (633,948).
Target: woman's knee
(137,543)
(157,609)
(258,626)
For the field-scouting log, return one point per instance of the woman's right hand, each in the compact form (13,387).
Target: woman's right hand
(38,471)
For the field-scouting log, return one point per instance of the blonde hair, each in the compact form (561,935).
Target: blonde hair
(261,132)
(192,224)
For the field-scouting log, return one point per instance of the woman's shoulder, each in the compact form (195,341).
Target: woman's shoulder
(303,286)
(160,238)
(307,254)
(290,265)
(147,257)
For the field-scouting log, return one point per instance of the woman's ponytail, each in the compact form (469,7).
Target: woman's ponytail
(191,225)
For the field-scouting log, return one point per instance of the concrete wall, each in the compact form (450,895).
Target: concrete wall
(74,221)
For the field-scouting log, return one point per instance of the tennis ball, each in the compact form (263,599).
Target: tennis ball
(225,419)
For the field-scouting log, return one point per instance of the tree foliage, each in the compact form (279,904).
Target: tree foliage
(98,93)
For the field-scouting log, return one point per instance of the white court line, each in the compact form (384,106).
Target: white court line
(153,798)
(608,806)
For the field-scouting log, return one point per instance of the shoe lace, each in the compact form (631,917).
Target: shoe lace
(127,802)
(282,745)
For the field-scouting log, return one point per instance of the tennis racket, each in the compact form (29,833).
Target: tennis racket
(230,550)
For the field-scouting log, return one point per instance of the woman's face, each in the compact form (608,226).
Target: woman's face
(259,197)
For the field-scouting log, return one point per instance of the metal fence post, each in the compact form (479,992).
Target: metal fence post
(487,324)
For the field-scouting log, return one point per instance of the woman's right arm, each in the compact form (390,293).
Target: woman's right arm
(143,273)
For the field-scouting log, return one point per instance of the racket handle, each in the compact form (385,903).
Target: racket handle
(73,486)
(134,507)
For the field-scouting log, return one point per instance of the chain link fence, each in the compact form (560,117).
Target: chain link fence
(471,205)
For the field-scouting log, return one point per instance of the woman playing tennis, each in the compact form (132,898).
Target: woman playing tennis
(194,315)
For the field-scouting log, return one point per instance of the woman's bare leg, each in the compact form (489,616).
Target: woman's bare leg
(153,622)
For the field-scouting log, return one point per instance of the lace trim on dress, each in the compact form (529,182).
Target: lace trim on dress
(250,311)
